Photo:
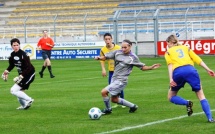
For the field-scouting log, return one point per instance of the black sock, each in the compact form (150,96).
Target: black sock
(43,68)
(50,70)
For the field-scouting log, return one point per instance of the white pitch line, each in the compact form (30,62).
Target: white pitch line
(149,124)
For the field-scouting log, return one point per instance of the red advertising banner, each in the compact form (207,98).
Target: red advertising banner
(198,46)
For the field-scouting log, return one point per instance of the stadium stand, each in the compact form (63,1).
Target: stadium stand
(66,7)
(40,14)
(72,13)
(52,2)
(165,3)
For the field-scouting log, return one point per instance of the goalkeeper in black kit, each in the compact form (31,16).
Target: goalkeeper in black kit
(26,74)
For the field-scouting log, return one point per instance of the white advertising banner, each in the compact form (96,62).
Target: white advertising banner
(5,50)
(30,48)
(80,44)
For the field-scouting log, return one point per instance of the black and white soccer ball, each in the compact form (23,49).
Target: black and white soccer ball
(95,113)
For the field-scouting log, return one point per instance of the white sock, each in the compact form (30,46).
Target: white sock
(125,102)
(16,90)
(21,101)
(107,102)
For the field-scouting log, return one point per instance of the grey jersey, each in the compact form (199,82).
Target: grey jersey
(123,64)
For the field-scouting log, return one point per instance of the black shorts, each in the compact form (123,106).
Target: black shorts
(46,54)
(26,81)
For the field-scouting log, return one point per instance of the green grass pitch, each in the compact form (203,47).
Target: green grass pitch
(61,104)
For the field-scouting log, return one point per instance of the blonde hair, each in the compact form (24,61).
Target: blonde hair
(173,39)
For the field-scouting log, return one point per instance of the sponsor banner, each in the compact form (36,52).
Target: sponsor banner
(79,44)
(5,50)
(71,53)
(30,49)
(60,51)
(71,50)
(198,46)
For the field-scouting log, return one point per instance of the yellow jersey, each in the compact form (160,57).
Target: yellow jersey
(105,50)
(181,55)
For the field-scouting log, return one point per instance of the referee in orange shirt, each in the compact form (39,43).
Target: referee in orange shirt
(45,45)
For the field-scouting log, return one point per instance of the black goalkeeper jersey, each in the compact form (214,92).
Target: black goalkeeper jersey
(21,61)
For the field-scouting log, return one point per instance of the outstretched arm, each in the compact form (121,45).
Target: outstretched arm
(100,58)
(210,72)
(154,66)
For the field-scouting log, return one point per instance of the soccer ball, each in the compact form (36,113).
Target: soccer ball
(95,113)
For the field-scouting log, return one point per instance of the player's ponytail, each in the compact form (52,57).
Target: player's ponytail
(173,39)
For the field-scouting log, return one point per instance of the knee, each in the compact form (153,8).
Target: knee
(171,94)
(104,92)
(169,98)
(15,88)
(12,91)
(48,62)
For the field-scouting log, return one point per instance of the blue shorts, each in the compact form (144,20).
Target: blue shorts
(110,76)
(186,74)
(46,54)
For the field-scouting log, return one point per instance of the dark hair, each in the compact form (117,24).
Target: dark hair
(14,40)
(127,41)
(107,34)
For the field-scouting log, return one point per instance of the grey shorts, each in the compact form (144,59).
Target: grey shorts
(46,54)
(115,87)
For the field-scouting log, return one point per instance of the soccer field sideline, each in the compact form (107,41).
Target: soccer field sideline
(150,123)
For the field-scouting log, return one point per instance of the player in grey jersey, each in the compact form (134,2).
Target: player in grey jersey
(124,62)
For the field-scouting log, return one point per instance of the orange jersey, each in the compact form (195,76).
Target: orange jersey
(42,43)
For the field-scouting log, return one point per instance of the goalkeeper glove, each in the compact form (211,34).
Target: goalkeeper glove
(18,79)
(5,75)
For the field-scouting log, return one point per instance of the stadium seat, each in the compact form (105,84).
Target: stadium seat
(70,15)
(57,2)
(65,7)
(164,3)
